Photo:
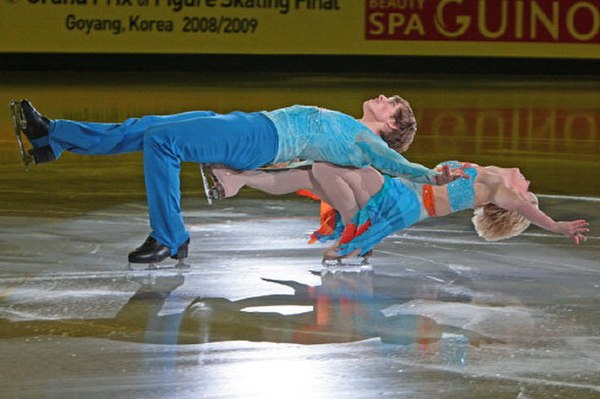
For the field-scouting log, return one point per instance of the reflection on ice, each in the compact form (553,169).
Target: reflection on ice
(438,316)
(283,309)
(345,307)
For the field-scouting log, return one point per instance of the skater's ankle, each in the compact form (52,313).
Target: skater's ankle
(227,181)
(182,250)
(36,126)
(42,154)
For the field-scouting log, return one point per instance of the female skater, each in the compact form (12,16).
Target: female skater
(371,206)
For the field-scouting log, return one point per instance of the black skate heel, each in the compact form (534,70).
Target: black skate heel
(34,126)
(182,253)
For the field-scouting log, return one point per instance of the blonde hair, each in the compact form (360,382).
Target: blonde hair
(400,138)
(493,223)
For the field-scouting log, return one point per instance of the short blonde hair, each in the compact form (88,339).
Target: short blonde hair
(493,223)
(399,139)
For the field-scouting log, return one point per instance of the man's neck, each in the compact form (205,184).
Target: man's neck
(373,126)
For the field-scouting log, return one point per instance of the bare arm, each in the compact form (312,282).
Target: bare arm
(508,199)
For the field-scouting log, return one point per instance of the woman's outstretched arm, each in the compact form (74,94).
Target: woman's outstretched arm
(505,198)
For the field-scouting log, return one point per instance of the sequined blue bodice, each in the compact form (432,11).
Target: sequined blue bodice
(319,134)
(461,192)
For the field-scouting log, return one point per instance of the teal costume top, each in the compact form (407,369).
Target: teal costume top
(319,134)
(398,205)
(461,192)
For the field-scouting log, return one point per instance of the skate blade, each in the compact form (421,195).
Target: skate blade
(363,269)
(20,124)
(180,265)
(334,266)
(207,193)
(341,263)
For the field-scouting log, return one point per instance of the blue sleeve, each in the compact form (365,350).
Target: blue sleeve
(388,161)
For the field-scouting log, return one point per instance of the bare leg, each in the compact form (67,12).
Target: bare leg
(346,189)
(270,182)
(324,180)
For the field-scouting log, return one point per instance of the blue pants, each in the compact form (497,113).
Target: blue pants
(240,140)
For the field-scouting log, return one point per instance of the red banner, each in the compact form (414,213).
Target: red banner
(543,21)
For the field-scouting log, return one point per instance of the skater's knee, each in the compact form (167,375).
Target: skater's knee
(156,137)
(319,168)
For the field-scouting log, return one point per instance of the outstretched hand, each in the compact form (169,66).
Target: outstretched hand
(449,175)
(576,230)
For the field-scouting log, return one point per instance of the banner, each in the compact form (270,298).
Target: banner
(518,28)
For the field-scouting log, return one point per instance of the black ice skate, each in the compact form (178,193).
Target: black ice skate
(152,252)
(29,122)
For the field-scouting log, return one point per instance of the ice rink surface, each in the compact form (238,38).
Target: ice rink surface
(441,313)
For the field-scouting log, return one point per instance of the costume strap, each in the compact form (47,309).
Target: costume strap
(428,200)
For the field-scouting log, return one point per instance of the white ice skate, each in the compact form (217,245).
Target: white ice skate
(339,265)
